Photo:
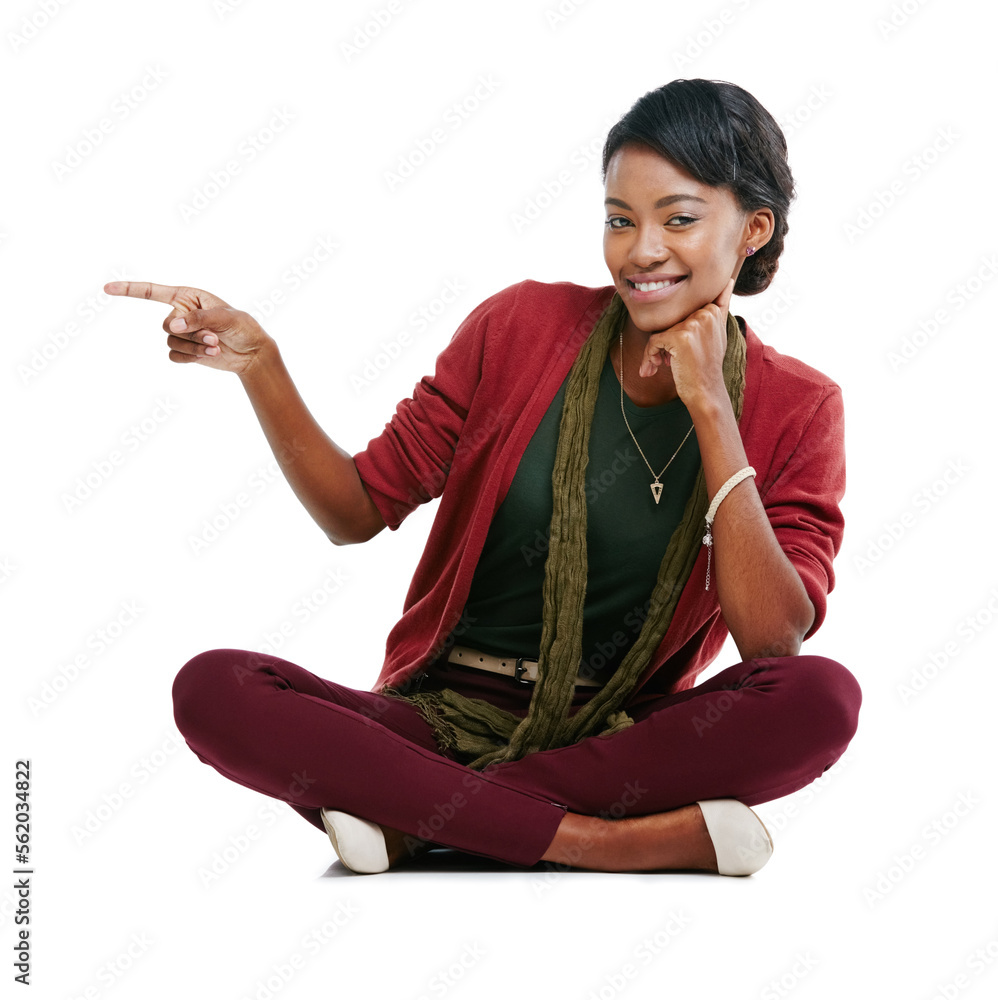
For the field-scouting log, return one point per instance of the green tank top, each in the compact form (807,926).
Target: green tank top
(627,533)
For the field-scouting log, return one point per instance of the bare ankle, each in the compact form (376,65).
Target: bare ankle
(402,847)
(677,839)
(580,841)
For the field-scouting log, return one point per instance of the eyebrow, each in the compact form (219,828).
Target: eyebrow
(661,203)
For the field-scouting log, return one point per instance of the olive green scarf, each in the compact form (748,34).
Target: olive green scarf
(480,733)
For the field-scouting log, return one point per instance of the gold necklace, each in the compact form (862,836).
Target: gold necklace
(656,486)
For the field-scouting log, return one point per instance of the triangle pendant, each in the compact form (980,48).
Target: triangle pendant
(656,491)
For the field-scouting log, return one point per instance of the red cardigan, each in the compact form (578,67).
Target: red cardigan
(461,434)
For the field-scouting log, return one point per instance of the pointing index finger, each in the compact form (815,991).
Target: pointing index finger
(143,290)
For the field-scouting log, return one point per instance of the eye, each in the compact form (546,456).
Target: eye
(682,220)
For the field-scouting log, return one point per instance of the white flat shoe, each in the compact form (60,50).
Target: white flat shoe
(359,844)
(741,841)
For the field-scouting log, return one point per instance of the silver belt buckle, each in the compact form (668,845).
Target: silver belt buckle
(519,670)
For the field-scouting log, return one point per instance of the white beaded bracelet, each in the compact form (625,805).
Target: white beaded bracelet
(715,503)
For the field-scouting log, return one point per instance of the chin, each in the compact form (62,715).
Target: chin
(648,319)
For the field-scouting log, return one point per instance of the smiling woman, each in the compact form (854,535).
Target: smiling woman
(546,709)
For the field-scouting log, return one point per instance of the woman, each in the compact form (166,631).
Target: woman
(626,475)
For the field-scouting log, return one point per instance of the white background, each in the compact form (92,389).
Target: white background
(888,855)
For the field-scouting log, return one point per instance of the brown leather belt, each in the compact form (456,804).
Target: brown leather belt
(518,667)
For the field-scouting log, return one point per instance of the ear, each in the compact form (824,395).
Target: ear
(760,227)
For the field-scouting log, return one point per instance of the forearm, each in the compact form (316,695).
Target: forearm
(762,598)
(322,475)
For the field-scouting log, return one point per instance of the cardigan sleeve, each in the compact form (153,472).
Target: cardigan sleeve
(802,502)
(407,464)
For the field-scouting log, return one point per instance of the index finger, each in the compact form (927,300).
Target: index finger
(143,290)
(725,297)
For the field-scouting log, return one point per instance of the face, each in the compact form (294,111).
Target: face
(663,224)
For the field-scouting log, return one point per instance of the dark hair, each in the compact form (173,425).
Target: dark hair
(722,136)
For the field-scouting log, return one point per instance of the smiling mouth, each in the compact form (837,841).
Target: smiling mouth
(654,286)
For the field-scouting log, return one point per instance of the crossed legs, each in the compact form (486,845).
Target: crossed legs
(754,732)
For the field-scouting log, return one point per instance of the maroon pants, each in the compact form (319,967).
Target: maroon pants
(754,732)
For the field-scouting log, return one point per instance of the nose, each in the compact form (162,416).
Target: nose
(648,247)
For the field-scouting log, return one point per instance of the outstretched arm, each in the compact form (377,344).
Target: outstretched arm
(203,329)
(322,475)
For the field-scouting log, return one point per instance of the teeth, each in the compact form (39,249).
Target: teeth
(653,286)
